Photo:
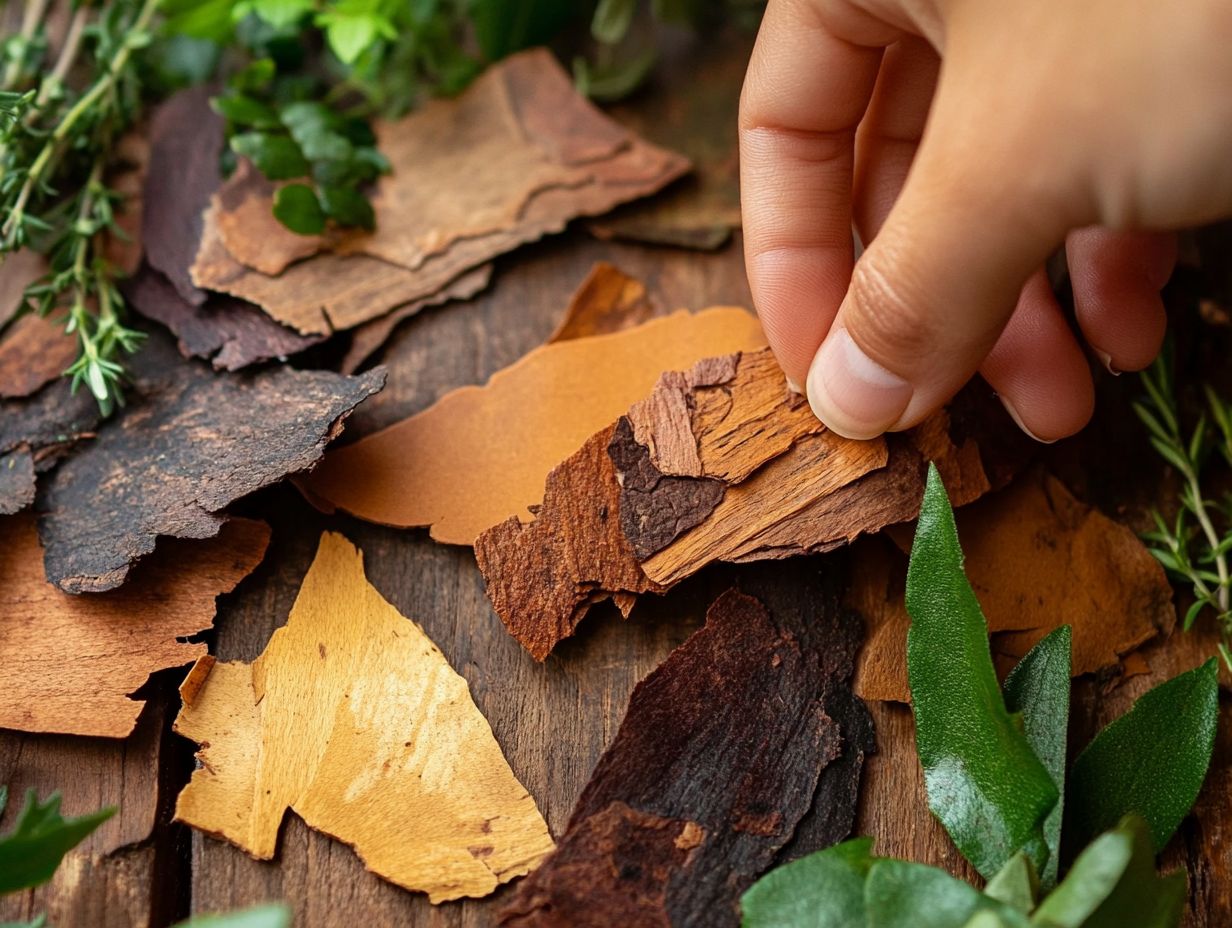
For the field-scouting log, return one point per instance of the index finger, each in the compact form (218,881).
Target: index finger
(805,93)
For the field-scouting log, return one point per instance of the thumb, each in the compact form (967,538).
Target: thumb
(934,289)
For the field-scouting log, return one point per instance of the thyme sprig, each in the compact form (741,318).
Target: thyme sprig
(1196,547)
(56,138)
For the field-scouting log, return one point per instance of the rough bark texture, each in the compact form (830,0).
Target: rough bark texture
(16,480)
(189,443)
(718,760)
(35,432)
(481,453)
(512,159)
(71,663)
(607,301)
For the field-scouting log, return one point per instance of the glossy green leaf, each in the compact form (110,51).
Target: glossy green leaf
(1015,884)
(297,208)
(30,853)
(1151,761)
(348,206)
(612,20)
(822,890)
(276,156)
(245,111)
(282,13)
(900,894)
(274,915)
(984,781)
(1038,688)
(1113,884)
(317,130)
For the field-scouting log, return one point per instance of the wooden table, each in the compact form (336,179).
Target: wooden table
(552,719)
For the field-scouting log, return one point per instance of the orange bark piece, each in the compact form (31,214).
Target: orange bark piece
(70,662)
(1036,558)
(354,719)
(481,454)
(607,301)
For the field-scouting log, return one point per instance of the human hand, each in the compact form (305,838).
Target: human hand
(1050,122)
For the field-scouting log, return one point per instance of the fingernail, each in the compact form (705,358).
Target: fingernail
(1009,407)
(794,387)
(851,393)
(1106,359)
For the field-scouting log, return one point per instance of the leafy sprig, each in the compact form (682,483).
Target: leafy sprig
(989,754)
(1196,546)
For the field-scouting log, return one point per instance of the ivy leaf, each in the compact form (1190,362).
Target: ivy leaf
(612,20)
(1113,884)
(822,890)
(1151,761)
(297,208)
(1039,689)
(983,779)
(900,894)
(1015,884)
(30,853)
(277,915)
(276,156)
(348,207)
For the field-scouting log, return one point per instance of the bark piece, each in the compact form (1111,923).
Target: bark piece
(189,443)
(512,159)
(228,332)
(35,432)
(248,228)
(367,338)
(480,455)
(16,480)
(607,301)
(353,718)
(33,350)
(125,248)
(17,271)
(794,490)
(186,141)
(689,805)
(1037,558)
(71,661)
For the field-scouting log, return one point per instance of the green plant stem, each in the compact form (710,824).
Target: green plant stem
(32,15)
(104,84)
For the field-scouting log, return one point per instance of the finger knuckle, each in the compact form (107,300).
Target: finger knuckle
(888,315)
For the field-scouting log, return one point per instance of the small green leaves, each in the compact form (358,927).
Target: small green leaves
(1151,761)
(900,894)
(276,156)
(822,890)
(1038,688)
(297,208)
(1113,884)
(612,20)
(984,781)
(1016,884)
(348,207)
(243,110)
(274,915)
(30,853)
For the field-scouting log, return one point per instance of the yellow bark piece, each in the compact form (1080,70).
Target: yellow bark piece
(354,719)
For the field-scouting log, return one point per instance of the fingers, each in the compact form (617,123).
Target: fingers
(1116,278)
(805,93)
(1037,368)
(890,133)
(934,290)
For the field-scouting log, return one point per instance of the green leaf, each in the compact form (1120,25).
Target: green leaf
(615,81)
(348,207)
(245,111)
(900,894)
(282,13)
(1151,761)
(200,19)
(1113,884)
(984,781)
(505,26)
(612,20)
(317,130)
(30,853)
(273,915)
(297,208)
(822,890)
(1015,884)
(1038,688)
(276,156)
(348,35)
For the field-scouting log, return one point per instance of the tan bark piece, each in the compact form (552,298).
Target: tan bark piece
(353,719)
(607,301)
(248,228)
(480,454)
(749,476)
(1036,558)
(512,159)
(70,662)
(33,350)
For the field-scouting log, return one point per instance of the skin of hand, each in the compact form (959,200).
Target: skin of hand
(966,141)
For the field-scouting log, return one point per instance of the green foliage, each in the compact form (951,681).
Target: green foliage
(273,915)
(1038,689)
(297,208)
(1194,548)
(1151,761)
(30,853)
(1136,779)
(984,780)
